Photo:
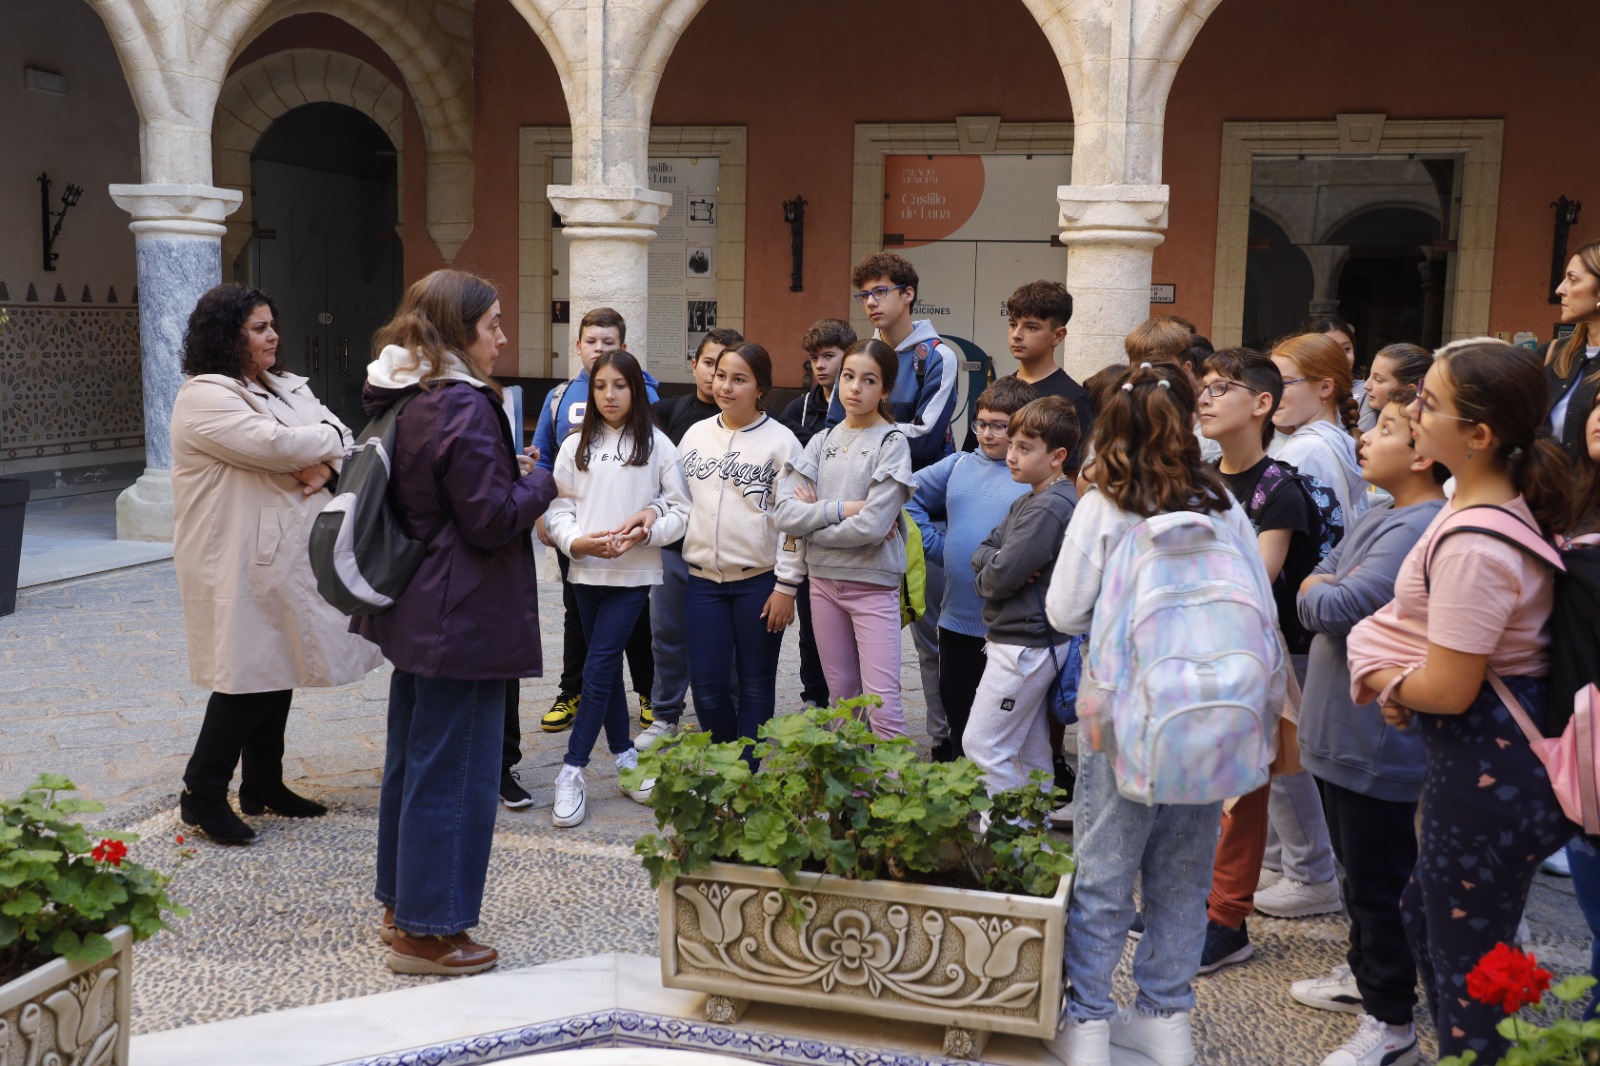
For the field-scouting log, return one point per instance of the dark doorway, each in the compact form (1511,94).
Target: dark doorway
(1394,280)
(325,193)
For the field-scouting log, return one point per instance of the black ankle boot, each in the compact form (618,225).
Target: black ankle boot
(214,818)
(253,799)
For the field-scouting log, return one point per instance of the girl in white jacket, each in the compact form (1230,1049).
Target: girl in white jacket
(743,573)
(621,496)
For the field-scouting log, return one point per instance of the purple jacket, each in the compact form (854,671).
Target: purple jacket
(471,612)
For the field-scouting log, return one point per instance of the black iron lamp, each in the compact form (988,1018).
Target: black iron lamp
(1566,217)
(794,213)
(69,200)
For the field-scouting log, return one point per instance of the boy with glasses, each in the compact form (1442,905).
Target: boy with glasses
(957,503)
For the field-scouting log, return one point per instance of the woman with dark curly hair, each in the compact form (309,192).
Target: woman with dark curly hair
(252,450)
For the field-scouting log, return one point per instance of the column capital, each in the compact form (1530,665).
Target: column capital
(622,210)
(1113,214)
(177,211)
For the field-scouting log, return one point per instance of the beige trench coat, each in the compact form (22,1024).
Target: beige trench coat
(254,618)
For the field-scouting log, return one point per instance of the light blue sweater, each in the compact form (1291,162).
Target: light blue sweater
(959,501)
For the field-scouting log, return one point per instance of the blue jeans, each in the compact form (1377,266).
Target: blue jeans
(609,613)
(1585,863)
(1119,839)
(441,779)
(726,616)
(669,637)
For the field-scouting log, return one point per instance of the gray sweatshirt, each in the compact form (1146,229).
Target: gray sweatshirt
(1025,543)
(1351,746)
(842,465)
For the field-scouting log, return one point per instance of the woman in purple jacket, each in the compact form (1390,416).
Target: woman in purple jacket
(468,621)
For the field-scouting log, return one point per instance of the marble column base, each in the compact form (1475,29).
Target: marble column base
(144,509)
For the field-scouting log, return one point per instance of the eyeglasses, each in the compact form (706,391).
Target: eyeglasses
(1423,408)
(980,426)
(1218,389)
(1293,381)
(876,295)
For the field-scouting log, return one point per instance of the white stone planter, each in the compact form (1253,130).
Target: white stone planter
(67,1012)
(974,962)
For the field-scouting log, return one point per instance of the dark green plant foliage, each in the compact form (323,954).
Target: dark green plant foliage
(55,900)
(833,798)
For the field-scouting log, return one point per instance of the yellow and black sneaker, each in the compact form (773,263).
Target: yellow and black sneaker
(647,710)
(562,713)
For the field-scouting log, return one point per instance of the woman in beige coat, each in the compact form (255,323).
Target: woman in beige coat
(252,452)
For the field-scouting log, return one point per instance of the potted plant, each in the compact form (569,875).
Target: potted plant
(1511,979)
(849,875)
(71,906)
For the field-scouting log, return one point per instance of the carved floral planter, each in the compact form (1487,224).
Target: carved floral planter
(975,962)
(70,1013)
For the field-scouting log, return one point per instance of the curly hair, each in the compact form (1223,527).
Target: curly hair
(897,269)
(214,341)
(1146,458)
(1048,301)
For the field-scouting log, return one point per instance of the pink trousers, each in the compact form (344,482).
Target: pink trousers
(857,627)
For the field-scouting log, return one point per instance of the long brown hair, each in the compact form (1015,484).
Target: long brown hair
(1146,458)
(1504,388)
(1572,351)
(438,316)
(1587,513)
(639,427)
(1320,358)
(888,367)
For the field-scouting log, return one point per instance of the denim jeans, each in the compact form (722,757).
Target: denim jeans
(726,616)
(609,613)
(1118,840)
(669,637)
(441,779)
(1585,863)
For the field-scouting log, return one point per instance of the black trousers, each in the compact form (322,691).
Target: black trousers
(575,649)
(813,682)
(1375,842)
(961,663)
(511,750)
(239,727)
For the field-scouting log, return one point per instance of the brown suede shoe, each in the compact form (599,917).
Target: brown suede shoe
(386,926)
(448,955)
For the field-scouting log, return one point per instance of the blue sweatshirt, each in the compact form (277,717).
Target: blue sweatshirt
(922,412)
(957,503)
(561,413)
(1351,746)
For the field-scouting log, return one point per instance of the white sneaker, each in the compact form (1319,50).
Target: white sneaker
(654,733)
(1268,878)
(1082,1043)
(1163,1039)
(629,760)
(571,805)
(1377,1044)
(1557,865)
(1524,933)
(1334,991)
(1289,898)
(1061,817)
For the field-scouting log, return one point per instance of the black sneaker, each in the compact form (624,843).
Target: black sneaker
(512,794)
(1224,946)
(1066,776)
(944,751)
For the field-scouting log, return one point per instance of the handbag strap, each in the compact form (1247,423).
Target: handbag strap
(1049,634)
(1519,714)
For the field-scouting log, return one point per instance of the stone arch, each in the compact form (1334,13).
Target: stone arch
(431,44)
(256,95)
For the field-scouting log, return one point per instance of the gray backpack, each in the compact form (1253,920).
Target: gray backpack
(362,558)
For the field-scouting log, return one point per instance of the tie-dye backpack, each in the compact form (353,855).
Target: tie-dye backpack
(1184,663)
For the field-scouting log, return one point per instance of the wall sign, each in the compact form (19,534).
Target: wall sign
(1163,294)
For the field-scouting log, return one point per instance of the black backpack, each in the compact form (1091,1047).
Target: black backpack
(362,558)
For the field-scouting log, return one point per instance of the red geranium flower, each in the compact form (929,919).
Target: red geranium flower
(1508,978)
(110,851)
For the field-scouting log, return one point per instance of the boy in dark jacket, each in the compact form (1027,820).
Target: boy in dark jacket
(824,343)
(1008,734)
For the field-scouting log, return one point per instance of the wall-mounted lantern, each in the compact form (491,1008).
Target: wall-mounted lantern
(69,200)
(794,213)
(1566,217)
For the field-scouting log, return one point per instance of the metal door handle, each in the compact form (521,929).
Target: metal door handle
(342,346)
(316,357)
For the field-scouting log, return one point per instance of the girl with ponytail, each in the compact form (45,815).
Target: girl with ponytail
(1147,463)
(1320,414)
(1471,614)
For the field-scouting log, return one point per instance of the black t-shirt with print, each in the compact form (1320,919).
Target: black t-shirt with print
(1287,508)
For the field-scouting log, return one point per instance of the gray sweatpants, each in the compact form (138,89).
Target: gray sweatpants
(1008,735)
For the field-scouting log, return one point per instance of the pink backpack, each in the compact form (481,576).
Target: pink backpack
(1572,760)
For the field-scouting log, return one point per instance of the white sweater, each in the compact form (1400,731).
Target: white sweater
(610,492)
(733,482)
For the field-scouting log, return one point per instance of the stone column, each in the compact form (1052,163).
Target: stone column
(610,228)
(178,238)
(1327,263)
(1111,232)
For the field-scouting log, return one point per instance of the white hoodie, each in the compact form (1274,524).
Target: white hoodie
(733,485)
(1326,452)
(610,492)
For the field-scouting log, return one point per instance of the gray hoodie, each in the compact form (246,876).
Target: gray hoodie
(1351,746)
(843,464)
(1328,453)
(1025,543)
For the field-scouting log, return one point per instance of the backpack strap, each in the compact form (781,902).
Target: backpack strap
(1491,520)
